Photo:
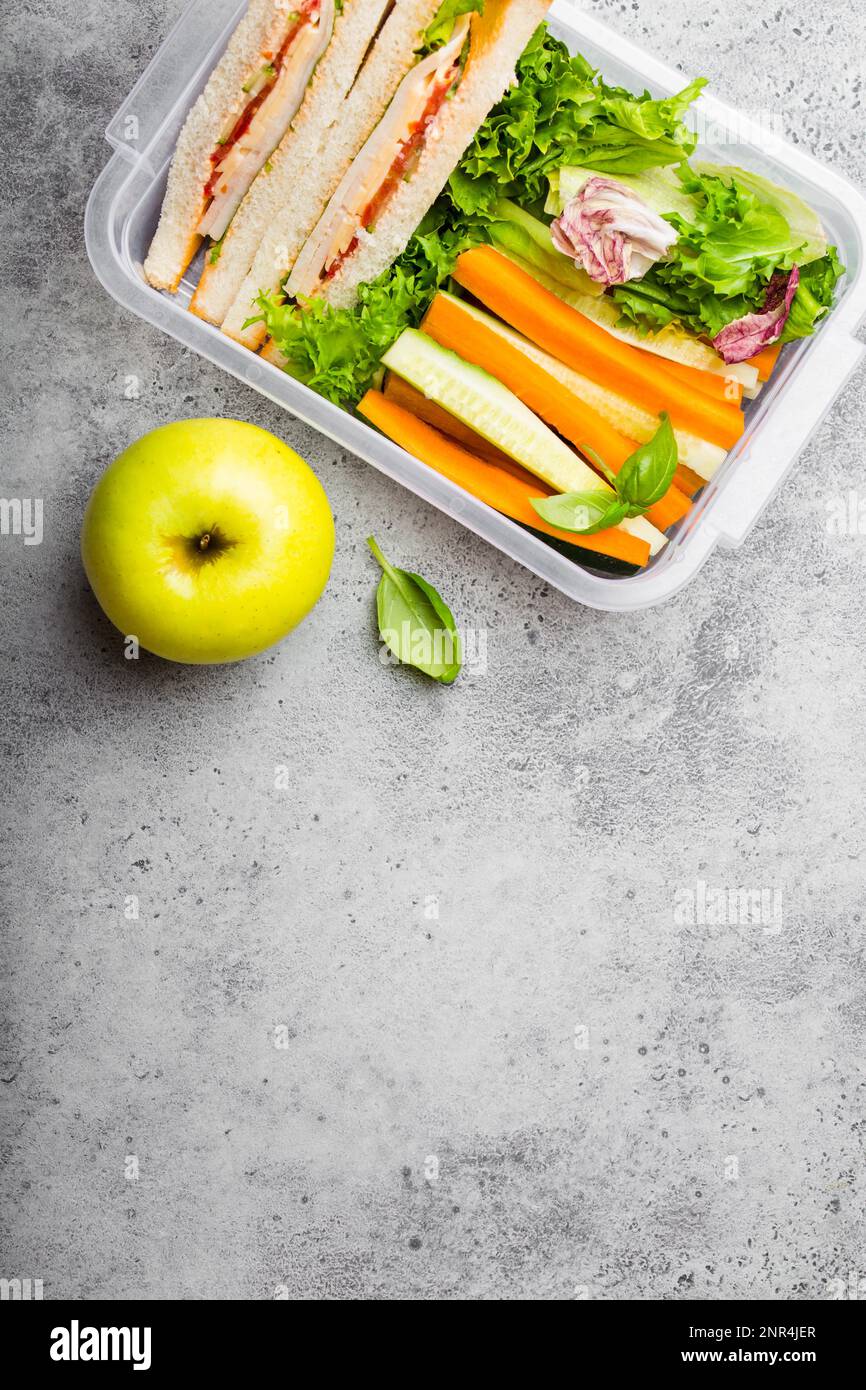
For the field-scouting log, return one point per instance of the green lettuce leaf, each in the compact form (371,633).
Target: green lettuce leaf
(804,222)
(520,234)
(815,295)
(439,32)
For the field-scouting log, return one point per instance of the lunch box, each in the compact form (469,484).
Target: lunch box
(124,207)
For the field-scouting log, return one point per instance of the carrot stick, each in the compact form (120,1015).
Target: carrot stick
(575,340)
(487,482)
(413,400)
(765,360)
(454,327)
(687,481)
(721,388)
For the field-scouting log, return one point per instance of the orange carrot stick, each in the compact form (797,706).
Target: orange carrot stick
(720,388)
(493,485)
(451,325)
(765,360)
(575,340)
(688,481)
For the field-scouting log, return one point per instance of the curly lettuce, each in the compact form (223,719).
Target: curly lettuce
(560,111)
(804,222)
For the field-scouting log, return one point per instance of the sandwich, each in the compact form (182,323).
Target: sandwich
(403,164)
(262,246)
(287,67)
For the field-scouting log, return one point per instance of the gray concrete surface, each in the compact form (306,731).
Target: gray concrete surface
(509,1068)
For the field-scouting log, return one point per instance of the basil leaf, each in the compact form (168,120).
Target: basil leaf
(582,512)
(648,473)
(415,623)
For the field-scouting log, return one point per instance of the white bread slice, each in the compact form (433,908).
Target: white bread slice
(271,353)
(295,162)
(176,240)
(498,39)
(308,179)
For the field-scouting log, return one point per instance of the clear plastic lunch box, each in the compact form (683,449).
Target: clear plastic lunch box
(124,207)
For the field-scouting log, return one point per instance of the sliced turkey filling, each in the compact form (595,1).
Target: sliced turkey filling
(274,94)
(386,159)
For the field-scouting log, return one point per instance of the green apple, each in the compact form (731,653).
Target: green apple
(208,541)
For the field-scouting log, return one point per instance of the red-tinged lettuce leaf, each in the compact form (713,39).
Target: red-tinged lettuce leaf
(745,337)
(611,232)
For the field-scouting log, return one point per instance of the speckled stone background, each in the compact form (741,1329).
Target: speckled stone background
(506,1069)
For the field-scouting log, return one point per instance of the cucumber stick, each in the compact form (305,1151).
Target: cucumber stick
(494,412)
(622,415)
